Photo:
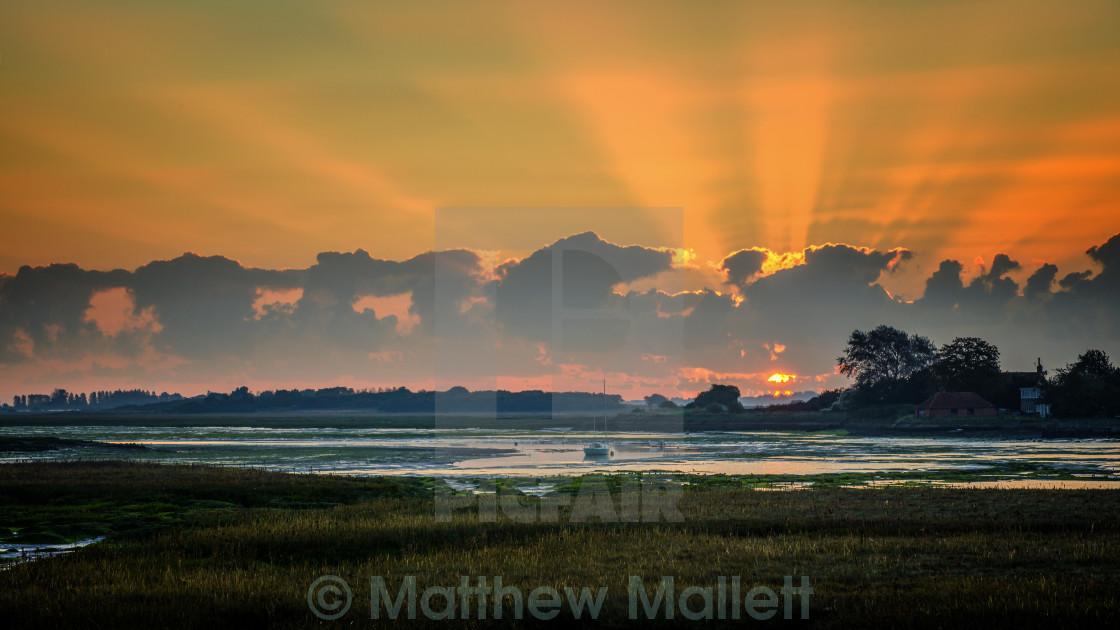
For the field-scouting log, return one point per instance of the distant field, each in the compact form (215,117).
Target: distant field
(197,546)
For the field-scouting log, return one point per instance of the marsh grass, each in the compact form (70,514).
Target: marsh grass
(66,501)
(916,557)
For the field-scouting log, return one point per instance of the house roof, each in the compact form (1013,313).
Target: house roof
(1025,379)
(955,400)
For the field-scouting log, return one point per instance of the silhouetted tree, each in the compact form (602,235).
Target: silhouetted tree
(888,365)
(885,353)
(824,400)
(725,395)
(968,364)
(1089,387)
(59,398)
(1094,363)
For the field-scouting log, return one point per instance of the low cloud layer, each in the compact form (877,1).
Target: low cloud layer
(559,318)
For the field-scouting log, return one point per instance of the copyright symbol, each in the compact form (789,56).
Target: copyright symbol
(329,597)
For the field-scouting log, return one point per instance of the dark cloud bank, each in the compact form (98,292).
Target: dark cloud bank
(210,320)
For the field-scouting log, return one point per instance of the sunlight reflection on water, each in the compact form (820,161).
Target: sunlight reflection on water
(484,452)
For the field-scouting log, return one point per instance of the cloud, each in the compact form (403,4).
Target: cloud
(983,298)
(1108,254)
(1086,304)
(1106,284)
(447,317)
(944,287)
(113,312)
(993,283)
(743,266)
(840,276)
(45,308)
(1075,282)
(204,304)
(586,267)
(1040,282)
(817,302)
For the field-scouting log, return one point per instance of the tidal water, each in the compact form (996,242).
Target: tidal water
(472,453)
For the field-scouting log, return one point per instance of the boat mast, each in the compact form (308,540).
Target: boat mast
(603,402)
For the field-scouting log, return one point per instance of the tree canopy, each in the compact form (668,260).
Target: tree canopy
(725,395)
(968,364)
(1093,364)
(1089,387)
(885,353)
(889,366)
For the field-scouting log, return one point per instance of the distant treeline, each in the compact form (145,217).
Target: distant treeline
(390,400)
(62,400)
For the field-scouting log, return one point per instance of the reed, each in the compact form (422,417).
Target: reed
(919,557)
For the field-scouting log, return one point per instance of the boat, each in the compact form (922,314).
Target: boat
(599,449)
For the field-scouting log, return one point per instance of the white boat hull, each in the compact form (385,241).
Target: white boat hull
(597,450)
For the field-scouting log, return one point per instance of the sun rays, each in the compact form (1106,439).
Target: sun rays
(952,129)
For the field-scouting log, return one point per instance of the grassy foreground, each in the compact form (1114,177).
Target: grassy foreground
(193,546)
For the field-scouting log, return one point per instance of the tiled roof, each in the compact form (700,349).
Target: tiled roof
(1025,379)
(955,400)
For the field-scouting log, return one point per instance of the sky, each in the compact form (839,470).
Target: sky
(249,193)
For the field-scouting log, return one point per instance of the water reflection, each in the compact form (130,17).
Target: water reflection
(487,452)
(15,553)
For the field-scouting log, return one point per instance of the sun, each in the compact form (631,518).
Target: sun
(778,377)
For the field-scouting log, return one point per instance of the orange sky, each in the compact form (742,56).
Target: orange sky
(270,132)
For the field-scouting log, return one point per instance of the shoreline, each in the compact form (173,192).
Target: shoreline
(762,421)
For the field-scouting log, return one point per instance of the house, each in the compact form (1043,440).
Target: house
(1030,386)
(953,405)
